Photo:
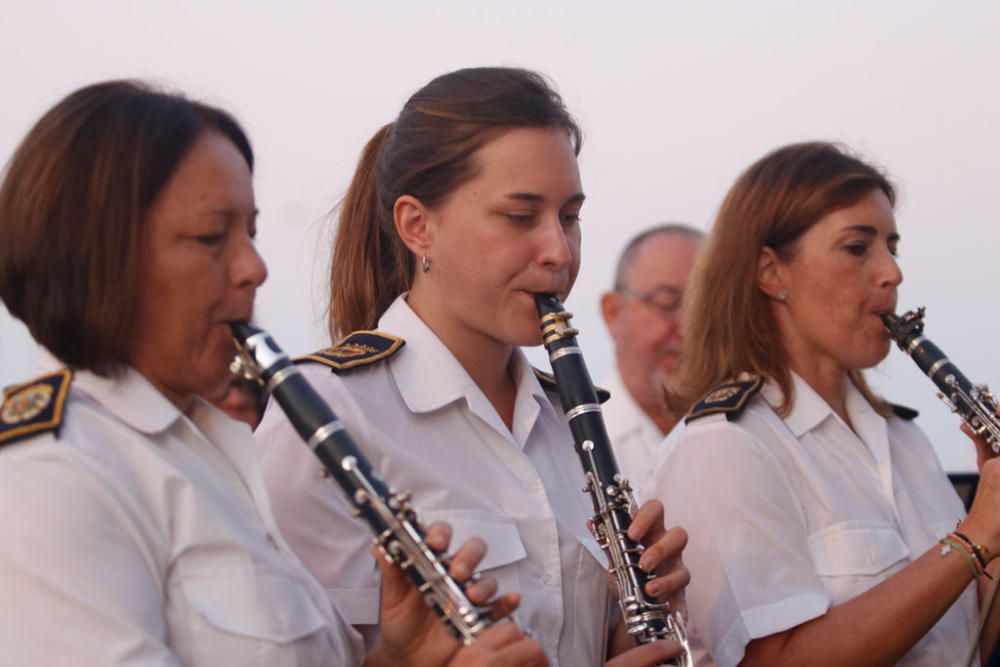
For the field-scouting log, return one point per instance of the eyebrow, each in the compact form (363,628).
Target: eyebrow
(872,231)
(535,197)
(229,212)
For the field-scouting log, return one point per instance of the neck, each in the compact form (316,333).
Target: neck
(183,402)
(829,380)
(664,421)
(487,360)
(648,396)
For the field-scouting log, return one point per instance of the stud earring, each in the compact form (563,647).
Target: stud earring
(425,264)
(782,296)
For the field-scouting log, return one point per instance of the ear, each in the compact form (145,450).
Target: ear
(413,224)
(611,306)
(770,273)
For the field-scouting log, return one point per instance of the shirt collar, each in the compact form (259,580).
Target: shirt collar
(808,408)
(425,356)
(128,395)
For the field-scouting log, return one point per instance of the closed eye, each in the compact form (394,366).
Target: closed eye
(857,249)
(209,240)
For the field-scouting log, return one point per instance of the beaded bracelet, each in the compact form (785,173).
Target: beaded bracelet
(948,545)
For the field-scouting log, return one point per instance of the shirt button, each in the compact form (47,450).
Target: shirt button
(548,579)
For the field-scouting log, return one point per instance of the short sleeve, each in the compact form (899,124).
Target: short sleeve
(310,510)
(751,572)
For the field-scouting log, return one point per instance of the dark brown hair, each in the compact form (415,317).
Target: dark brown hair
(773,203)
(73,207)
(426,153)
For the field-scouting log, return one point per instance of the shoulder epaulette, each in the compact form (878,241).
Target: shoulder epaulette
(729,398)
(361,348)
(904,412)
(548,382)
(34,407)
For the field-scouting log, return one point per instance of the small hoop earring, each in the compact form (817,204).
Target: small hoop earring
(425,264)
(783,297)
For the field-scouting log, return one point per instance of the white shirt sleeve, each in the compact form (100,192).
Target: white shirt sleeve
(78,588)
(751,572)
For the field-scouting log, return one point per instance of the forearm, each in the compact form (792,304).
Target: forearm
(877,627)
(988,638)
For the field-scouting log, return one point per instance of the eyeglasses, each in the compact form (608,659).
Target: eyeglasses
(663,299)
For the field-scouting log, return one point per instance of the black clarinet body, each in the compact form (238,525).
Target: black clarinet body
(975,404)
(399,535)
(646,618)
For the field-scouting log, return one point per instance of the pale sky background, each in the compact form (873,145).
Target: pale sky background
(676,98)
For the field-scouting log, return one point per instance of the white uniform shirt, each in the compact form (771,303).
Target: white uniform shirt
(790,517)
(427,428)
(141,536)
(635,438)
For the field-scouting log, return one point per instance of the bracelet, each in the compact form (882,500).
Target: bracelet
(977,550)
(948,545)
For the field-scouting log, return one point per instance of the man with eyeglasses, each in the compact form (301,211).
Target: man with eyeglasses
(643,315)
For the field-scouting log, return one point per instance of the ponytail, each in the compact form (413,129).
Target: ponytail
(370,265)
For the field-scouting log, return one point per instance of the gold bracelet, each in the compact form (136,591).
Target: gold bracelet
(948,544)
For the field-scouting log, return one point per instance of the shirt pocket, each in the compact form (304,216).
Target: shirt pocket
(499,532)
(851,557)
(505,553)
(261,603)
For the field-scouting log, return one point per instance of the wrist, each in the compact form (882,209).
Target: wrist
(968,529)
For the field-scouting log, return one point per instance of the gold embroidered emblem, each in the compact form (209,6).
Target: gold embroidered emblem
(26,404)
(348,350)
(723,394)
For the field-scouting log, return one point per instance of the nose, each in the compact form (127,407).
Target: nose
(557,246)
(891,275)
(248,268)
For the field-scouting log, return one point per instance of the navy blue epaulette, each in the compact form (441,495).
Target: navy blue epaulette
(904,412)
(361,348)
(548,382)
(730,398)
(34,407)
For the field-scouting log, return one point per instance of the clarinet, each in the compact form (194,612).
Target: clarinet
(646,619)
(975,404)
(399,535)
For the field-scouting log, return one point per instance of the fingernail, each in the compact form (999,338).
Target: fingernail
(646,563)
(653,589)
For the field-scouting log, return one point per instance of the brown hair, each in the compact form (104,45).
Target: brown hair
(73,205)
(426,153)
(773,203)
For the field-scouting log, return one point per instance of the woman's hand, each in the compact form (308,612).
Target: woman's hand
(502,645)
(413,635)
(983,451)
(662,555)
(983,523)
(646,655)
